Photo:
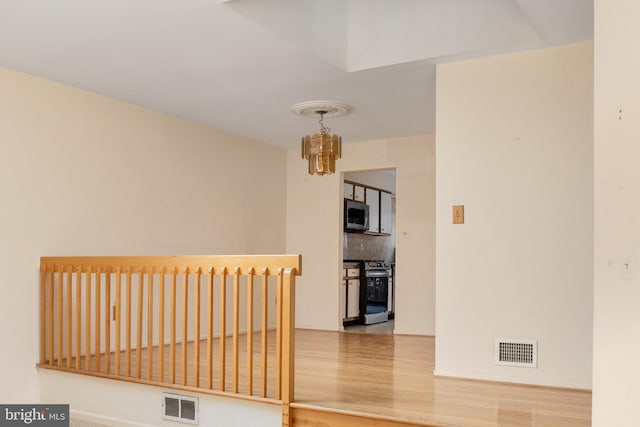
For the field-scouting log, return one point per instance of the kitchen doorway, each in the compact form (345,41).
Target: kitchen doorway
(368,281)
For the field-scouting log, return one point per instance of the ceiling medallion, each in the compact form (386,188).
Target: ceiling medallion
(321,149)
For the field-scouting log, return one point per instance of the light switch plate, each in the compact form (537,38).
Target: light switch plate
(458,214)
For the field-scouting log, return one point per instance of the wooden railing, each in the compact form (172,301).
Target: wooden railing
(215,324)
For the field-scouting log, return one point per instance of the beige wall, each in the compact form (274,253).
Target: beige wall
(314,229)
(82,174)
(139,405)
(617,213)
(514,146)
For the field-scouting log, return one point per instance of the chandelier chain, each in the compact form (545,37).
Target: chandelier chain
(323,128)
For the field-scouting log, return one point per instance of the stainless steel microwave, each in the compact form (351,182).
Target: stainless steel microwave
(356,216)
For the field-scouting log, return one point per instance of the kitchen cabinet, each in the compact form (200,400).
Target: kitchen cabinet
(352,272)
(353,299)
(380,211)
(373,200)
(358,193)
(353,191)
(351,285)
(348,190)
(386,214)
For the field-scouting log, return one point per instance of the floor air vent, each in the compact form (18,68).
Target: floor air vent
(517,353)
(180,408)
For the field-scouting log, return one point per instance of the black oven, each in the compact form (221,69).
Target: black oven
(374,295)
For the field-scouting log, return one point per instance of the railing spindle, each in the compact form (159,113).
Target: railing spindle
(196,327)
(163,272)
(172,356)
(150,324)
(279,335)
(60,314)
(223,327)
(127,350)
(98,316)
(50,301)
(118,318)
(43,314)
(87,315)
(69,315)
(107,320)
(210,278)
(236,325)
(265,325)
(139,323)
(250,275)
(78,316)
(185,323)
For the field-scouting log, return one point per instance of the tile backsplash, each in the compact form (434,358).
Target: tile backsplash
(360,246)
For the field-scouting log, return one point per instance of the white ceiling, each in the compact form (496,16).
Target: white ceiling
(239,65)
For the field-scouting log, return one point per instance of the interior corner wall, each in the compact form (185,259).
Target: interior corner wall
(314,229)
(514,145)
(617,213)
(82,174)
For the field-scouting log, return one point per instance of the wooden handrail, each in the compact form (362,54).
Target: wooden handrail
(158,320)
(242,262)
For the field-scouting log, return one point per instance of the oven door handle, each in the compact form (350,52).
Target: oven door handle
(376,273)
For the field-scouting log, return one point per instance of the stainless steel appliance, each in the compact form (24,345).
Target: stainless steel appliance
(356,216)
(374,295)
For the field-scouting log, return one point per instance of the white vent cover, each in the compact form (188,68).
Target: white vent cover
(511,352)
(180,408)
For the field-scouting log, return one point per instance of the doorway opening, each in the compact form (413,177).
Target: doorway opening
(368,288)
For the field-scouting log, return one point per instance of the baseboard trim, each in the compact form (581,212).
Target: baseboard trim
(87,419)
(511,381)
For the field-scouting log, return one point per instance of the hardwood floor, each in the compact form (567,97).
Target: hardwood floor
(392,375)
(385,375)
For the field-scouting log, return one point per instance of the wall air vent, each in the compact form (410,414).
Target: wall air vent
(522,353)
(180,408)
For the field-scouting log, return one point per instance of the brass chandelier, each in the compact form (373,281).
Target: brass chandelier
(322,149)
